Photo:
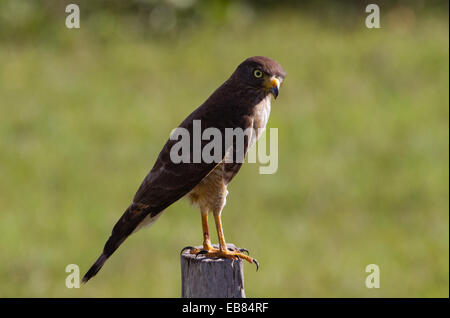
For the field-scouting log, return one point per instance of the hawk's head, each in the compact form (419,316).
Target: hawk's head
(262,73)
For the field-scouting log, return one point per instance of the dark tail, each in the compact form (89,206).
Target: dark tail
(128,222)
(94,268)
(111,246)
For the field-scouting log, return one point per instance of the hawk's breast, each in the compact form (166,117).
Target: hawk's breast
(210,194)
(260,118)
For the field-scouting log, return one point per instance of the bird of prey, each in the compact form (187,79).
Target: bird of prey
(242,101)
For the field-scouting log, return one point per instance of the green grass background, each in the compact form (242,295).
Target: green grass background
(363,120)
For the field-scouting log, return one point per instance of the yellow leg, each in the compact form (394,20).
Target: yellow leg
(223,251)
(222,244)
(206,239)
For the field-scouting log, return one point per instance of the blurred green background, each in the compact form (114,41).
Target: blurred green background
(363,120)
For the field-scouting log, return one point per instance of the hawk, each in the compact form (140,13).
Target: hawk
(242,101)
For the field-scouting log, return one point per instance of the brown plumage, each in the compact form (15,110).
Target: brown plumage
(243,101)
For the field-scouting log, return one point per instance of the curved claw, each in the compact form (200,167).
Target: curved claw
(256,263)
(186,248)
(241,250)
(201,253)
(244,250)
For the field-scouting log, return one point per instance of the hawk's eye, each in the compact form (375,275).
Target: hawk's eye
(257,73)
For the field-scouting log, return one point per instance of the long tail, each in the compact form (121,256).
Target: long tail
(135,217)
(95,268)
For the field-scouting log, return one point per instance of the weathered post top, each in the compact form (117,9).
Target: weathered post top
(203,277)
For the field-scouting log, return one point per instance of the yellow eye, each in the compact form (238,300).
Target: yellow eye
(257,73)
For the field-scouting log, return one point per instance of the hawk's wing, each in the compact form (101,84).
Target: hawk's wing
(231,168)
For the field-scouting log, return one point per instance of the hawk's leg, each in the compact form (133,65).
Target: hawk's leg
(206,239)
(207,247)
(223,251)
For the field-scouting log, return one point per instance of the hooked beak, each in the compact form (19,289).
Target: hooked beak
(274,86)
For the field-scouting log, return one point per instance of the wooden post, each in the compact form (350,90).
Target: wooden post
(203,277)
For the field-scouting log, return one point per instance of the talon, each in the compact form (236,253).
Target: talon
(232,249)
(256,263)
(201,252)
(186,248)
(244,250)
